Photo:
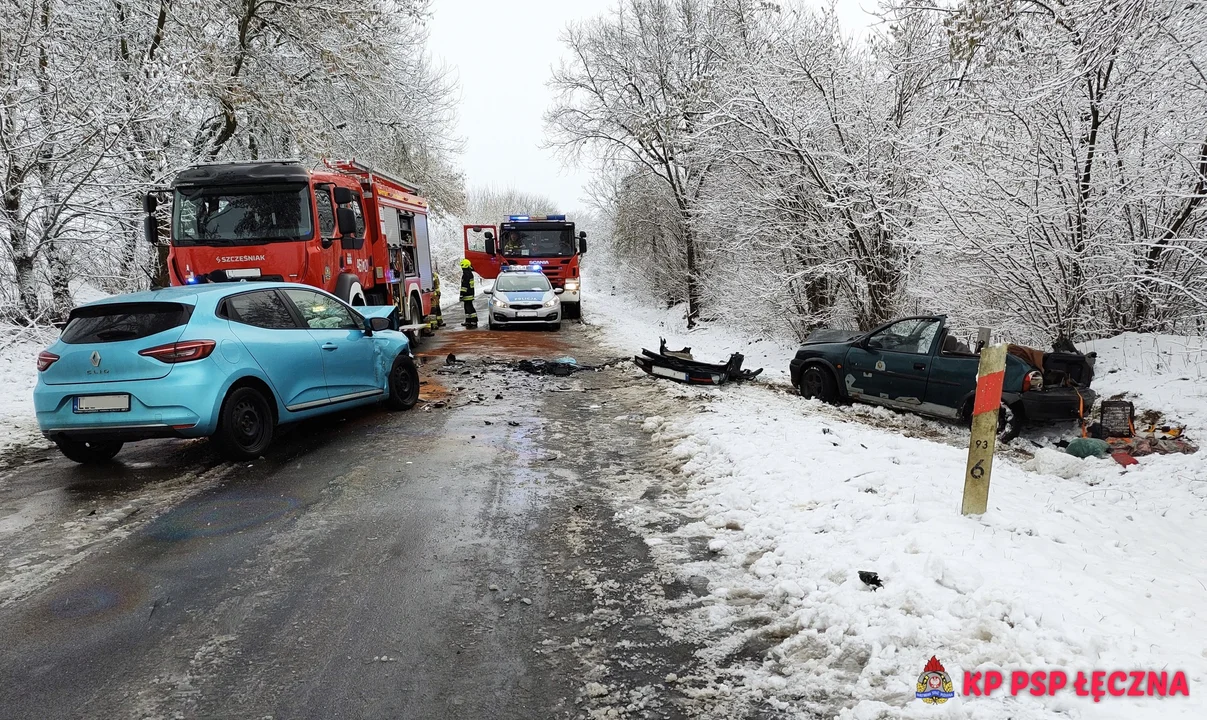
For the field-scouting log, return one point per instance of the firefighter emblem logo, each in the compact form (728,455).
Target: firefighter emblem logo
(934,684)
(326,274)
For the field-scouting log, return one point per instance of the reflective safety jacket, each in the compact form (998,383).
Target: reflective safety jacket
(467,284)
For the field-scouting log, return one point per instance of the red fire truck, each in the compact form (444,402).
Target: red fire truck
(545,240)
(351,230)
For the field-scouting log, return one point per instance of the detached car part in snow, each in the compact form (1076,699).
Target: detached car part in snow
(917,365)
(680,366)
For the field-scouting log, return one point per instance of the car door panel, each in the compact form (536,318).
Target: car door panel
(287,353)
(349,355)
(893,373)
(952,379)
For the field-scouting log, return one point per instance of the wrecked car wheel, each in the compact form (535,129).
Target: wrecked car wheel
(404,384)
(817,383)
(1009,423)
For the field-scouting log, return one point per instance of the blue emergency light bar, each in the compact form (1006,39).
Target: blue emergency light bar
(522,268)
(526,218)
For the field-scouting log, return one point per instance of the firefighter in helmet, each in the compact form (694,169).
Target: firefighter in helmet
(467,294)
(511,243)
(437,318)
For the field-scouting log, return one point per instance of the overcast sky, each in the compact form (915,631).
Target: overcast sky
(503,51)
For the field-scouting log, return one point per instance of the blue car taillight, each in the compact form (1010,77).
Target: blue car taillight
(182,351)
(46,359)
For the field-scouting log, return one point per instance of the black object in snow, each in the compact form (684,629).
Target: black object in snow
(870,579)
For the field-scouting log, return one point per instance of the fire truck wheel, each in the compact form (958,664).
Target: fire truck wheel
(416,316)
(348,289)
(404,384)
(245,425)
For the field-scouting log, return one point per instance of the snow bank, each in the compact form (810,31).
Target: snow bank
(1101,570)
(19,348)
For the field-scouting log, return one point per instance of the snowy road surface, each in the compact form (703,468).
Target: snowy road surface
(456,562)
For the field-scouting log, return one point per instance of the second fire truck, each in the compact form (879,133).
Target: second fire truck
(548,241)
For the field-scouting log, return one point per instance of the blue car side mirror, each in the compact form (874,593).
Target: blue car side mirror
(377,324)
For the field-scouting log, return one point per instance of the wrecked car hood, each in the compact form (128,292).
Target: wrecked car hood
(372,311)
(830,335)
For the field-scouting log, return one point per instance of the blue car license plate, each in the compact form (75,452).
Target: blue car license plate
(102,403)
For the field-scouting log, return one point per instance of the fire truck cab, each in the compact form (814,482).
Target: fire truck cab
(349,229)
(545,240)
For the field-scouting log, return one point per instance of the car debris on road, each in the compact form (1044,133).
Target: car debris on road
(679,365)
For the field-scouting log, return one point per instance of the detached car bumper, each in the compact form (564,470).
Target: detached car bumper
(1061,403)
(182,404)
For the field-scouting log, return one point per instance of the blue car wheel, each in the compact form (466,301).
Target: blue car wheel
(245,426)
(404,384)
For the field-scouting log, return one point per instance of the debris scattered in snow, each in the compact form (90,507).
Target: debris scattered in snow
(1074,561)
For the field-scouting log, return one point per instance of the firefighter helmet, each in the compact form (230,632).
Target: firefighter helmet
(465,264)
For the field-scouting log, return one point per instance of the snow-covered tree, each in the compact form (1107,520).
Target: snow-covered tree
(101,103)
(1078,160)
(636,92)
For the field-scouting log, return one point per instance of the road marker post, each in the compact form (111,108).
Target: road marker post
(985,408)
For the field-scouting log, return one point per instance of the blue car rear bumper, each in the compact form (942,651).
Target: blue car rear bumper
(183,404)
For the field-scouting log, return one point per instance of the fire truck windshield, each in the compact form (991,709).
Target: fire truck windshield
(525,242)
(241,215)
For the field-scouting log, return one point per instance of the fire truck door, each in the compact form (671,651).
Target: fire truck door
(485,264)
(423,253)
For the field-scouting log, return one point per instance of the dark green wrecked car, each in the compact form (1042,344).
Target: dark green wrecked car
(916,364)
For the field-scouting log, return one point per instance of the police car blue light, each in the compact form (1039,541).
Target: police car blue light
(518,218)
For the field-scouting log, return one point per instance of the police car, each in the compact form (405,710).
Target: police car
(522,296)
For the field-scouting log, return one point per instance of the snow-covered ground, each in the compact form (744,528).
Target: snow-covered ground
(19,348)
(1080,565)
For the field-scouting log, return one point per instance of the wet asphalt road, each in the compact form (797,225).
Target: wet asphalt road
(447,562)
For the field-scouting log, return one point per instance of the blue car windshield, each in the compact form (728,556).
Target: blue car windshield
(523,282)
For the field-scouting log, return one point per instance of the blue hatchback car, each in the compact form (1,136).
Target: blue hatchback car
(225,361)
